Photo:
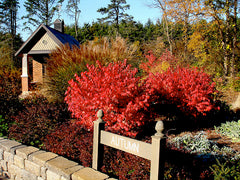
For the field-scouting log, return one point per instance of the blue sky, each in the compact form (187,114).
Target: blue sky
(139,9)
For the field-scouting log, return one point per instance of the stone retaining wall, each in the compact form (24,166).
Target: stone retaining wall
(20,162)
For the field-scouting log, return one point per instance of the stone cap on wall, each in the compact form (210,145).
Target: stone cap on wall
(29,163)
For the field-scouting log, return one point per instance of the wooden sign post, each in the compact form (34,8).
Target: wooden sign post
(138,148)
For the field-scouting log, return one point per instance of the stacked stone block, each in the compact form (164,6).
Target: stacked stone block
(20,162)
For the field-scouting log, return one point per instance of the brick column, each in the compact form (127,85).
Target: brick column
(37,72)
(24,75)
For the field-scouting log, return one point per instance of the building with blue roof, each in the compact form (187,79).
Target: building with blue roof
(37,48)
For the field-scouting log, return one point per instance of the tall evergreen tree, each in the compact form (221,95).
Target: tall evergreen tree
(8,22)
(8,15)
(115,12)
(41,11)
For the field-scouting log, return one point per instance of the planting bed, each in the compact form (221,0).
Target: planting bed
(213,144)
(213,136)
(192,154)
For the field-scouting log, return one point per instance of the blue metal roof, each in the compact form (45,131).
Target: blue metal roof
(64,38)
(58,36)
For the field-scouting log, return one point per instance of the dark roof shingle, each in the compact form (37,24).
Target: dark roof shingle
(59,37)
(64,38)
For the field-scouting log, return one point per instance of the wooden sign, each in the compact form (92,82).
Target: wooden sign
(133,146)
(126,144)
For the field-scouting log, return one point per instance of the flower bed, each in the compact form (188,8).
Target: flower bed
(205,154)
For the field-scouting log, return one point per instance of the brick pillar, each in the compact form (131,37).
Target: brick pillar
(37,72)
(24,75)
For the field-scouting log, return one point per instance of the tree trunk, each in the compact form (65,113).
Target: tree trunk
(13,26)
(168,36)
(227,45)
(234,39)
(185,34)
(47,13)
(166,22)
(76,23)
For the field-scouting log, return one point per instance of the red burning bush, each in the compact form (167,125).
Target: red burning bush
(190,90)
(116,90)
(127,101)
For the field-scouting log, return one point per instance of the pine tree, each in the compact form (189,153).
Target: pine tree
(115,13)
(41,11)
(8,23)
(8,15)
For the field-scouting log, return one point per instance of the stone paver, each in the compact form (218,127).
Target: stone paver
(68,172)
(89,174)
(6,145)
(59,164)
(42,158)
(24,152)
(33,167)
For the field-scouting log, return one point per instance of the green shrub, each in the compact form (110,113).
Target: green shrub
(230,129)
(226,170)
(193,144)
(3,127)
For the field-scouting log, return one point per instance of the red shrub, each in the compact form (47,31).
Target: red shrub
(190,89)
(10,83)
(72,141)
(161,64)
(126,101)
(116,90)
(36,119)
(124,165)
(127,104)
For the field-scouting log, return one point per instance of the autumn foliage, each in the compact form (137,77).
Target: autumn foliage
(127,100)
(73,142)
(190,90)
(36,119)
(116,90)
(9,91)
(154,64)
(65,61)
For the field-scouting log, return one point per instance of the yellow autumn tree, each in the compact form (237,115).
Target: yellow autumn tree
(205,47)
(224,14)
(184,12)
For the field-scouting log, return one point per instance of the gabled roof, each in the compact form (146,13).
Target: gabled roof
(58,37)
